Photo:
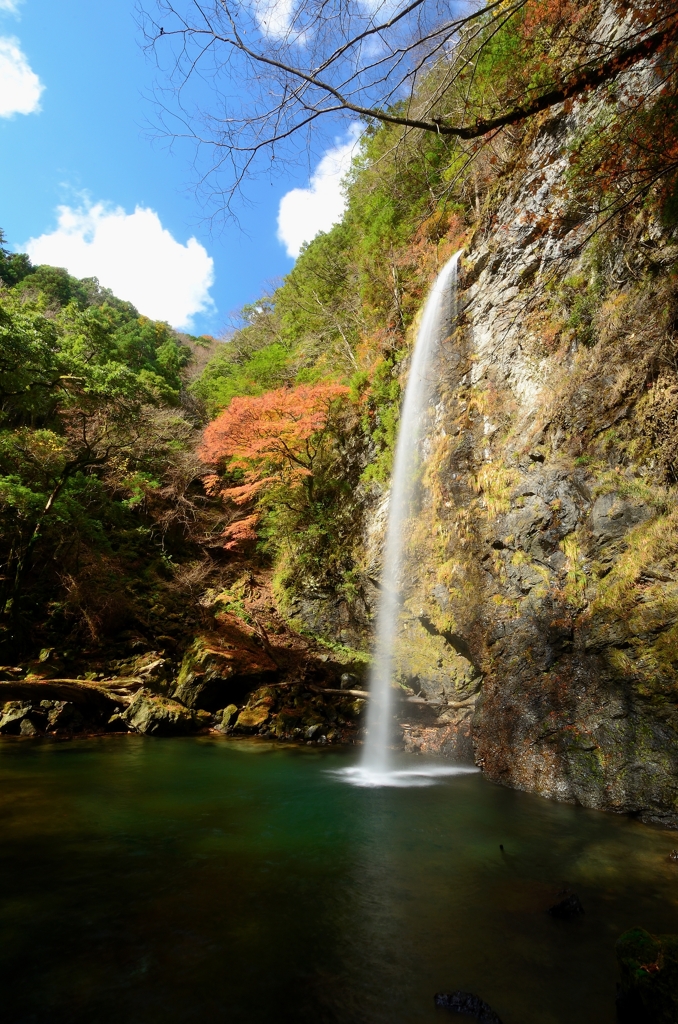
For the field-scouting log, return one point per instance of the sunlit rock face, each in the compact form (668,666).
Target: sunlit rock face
(430,664)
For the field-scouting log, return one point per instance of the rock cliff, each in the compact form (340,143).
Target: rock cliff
(546,605)
(541,591)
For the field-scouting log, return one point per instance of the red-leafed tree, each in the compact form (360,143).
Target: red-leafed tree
(272,440)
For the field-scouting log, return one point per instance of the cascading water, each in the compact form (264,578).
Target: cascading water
(440,308)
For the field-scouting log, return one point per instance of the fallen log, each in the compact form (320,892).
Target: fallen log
(111,681)
(343,693)
(77,691)
(364,695)
(441,703)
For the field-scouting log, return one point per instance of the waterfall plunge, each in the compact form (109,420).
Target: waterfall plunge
(376,768)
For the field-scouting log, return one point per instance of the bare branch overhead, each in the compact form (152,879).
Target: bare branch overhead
(280,69)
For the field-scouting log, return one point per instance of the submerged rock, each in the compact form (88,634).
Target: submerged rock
(648,993)
(158,716)
(567,908)
(468,1004)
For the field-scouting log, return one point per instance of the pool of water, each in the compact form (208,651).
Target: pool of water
(167,881)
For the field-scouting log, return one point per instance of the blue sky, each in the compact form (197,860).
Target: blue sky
(73,172)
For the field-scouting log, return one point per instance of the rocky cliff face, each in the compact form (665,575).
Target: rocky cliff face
(545,608)
(541,592)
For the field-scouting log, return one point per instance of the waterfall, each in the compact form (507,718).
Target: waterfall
(376,768)
(440,308)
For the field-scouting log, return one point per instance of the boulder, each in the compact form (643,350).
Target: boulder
(221,666)
(225,717)
(27,718)
(94,704)
(13,714)
(252,718)
(158,716)
(64,716)
(648,993)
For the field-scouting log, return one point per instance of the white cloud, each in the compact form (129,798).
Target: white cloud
(20,87)
(134,256)
(304,212)
(11,6)
(274,16)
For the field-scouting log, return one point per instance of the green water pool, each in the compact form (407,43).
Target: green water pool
(169,881)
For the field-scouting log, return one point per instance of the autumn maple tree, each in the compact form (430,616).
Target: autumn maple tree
(269,440)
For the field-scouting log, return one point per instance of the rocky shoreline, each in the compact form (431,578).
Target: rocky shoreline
(282,711)
(232,680)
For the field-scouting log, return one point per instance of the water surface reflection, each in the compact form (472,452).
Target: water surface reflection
(149,881)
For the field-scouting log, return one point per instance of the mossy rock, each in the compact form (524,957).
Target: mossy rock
(226,716)
(221,667)
(13,714)
(157,716)
(95,703)
(252,718)
(428,662)
(649,972)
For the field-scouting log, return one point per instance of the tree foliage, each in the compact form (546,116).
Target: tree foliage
(281,461)
(90,422)
(277,438)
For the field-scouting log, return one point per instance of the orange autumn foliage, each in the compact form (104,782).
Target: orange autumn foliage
(274,437)
(240,532)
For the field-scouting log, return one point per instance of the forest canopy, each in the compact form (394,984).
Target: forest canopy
(90,419)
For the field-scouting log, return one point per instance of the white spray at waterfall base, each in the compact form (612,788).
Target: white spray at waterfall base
(377,768)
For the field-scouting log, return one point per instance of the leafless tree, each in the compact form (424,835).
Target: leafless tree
(281,68)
